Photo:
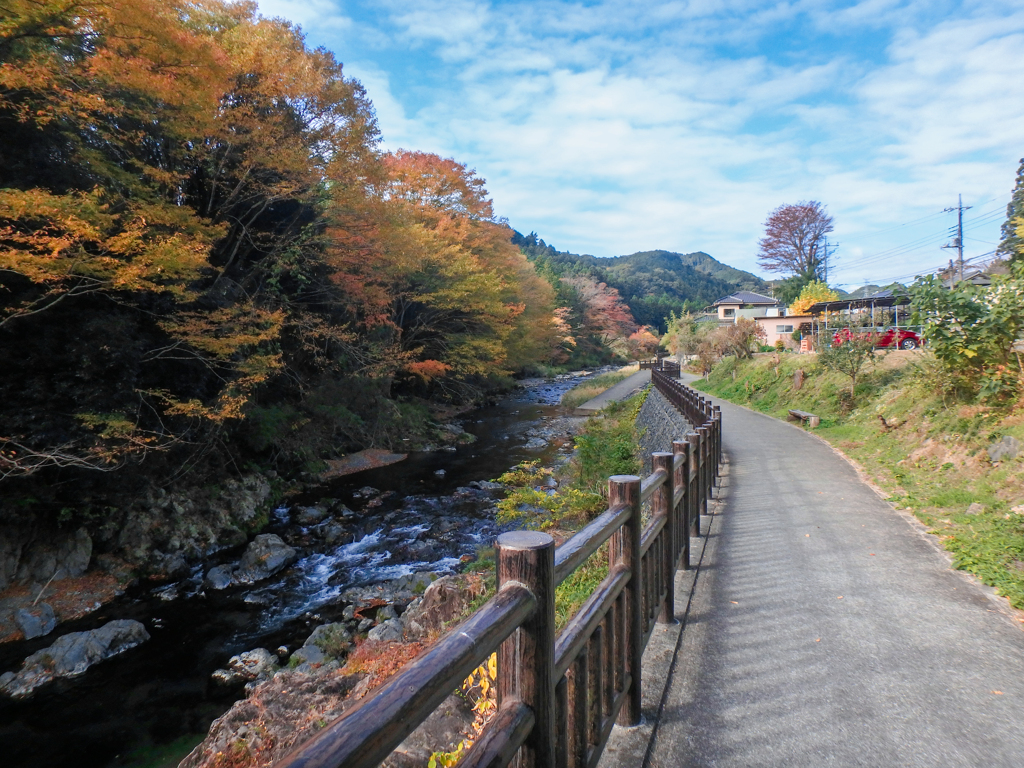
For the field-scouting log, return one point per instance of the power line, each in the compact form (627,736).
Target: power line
(904,249)
(900,226)
(898,250)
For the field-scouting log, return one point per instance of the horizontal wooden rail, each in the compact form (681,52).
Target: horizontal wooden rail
(651,484)
(558,697)
(506,734)
(588,540)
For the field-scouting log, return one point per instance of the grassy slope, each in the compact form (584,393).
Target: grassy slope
(928,454)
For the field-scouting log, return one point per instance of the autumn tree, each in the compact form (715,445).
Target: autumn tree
(212,257)
(742,337)
(811,294)
(162,171)
(602,314)
(461,304)
(794,240)
(643,343)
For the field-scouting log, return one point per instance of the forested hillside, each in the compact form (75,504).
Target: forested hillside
(652,283)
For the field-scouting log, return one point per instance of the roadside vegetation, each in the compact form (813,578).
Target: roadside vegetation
(916,439)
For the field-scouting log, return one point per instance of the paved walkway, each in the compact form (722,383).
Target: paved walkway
(624,389)
(827,629)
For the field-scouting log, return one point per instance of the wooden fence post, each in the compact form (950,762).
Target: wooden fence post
(625,550)
(526,660)
(718,438)
(692,488)
(705,467)
(664,505)
(683,511)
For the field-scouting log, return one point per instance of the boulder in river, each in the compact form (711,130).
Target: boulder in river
(390,631)
(72,654)
(265,556)
(486,485)
(443,601)
(36,620)
(219,577)
(306,516)
(307,658)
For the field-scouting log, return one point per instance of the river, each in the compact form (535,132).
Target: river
(148,706)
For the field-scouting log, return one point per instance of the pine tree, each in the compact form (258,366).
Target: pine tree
(1011,243)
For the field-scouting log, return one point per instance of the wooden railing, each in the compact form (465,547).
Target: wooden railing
(669,367)
(558,698)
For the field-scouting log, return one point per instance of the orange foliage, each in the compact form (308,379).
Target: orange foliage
(428,369)
(381,660)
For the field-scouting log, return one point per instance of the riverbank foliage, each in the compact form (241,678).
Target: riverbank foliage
(207,261)
(921,443)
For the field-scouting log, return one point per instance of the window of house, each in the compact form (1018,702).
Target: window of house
(783,328)
(729,313)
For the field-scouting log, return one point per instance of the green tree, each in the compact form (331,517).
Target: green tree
(850,357)
(1011,243)
(971,329)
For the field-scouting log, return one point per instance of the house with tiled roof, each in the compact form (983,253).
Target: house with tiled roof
(747,304)
(771,314)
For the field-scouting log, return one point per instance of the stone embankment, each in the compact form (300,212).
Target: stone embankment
(658,423)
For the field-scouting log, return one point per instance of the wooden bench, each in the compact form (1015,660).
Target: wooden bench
(808,418)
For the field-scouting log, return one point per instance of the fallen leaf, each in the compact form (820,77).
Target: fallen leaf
(871,553)
(839,598)
(818,640)
(998,693)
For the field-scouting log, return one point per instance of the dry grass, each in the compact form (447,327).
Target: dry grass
(591,388)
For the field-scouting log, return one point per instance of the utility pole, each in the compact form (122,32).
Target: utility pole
(825,260)
(958,241)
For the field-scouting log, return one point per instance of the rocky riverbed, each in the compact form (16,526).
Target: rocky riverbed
(354,556)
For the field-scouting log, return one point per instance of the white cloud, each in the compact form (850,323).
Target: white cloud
(619,126)
(309,14)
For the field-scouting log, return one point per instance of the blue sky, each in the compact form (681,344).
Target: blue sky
(615,127)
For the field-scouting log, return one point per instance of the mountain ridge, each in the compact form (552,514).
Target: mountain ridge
(652,283)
